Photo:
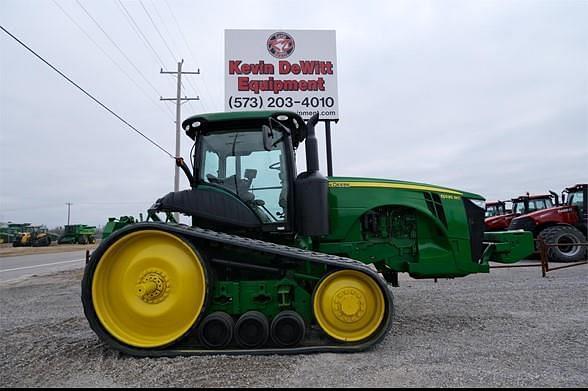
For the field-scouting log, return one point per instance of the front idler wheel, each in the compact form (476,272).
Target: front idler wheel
(287,329)
(252,330)
(216,330)
(147,289)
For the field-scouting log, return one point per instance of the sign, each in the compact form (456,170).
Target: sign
(293,70)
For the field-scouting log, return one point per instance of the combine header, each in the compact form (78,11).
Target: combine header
(277,260)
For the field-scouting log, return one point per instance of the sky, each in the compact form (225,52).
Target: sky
(489,97)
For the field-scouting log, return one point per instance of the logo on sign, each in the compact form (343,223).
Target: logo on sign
(280,45)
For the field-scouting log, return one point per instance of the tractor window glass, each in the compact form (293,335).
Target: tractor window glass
(548,203)
(211,166)
(518,207)
(536,205)
(577,199)
(491,211)
(244,167)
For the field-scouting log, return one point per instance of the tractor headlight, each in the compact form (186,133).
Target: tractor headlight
(479,203)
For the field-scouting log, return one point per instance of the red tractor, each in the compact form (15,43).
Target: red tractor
(496,208)
(563,224)
(520,206)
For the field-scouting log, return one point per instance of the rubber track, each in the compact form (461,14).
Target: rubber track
(251,244)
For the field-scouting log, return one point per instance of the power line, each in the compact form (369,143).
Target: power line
(138,30)
(119,49)
(157,29)
(190,84)
(177,24)
(107,55)
(85,92)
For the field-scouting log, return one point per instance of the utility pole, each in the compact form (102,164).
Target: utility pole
(179,100)
(69,204)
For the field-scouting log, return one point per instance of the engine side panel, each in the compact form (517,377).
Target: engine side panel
(419,229)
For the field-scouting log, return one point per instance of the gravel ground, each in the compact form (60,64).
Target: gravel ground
(511,328)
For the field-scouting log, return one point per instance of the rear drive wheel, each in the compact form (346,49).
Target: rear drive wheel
(349,305)
(567,238)
(148,289)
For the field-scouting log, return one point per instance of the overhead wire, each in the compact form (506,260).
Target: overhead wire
(189,79)
(121,51)
(86,93)
(139,31)
(179,27)
(169,48)
(157,29)
(108,56)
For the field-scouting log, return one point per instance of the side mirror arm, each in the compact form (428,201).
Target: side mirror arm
(182,164)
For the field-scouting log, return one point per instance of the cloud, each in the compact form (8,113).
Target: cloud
(489,97)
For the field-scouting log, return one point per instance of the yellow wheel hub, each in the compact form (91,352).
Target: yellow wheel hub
(149,288)
(349,305)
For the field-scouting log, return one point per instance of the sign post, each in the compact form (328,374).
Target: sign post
(293,70)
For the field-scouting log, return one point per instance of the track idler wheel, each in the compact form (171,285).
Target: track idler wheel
(216,330)
(252,330)
(349,305)
(287,329)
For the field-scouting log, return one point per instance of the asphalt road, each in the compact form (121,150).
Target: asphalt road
(22,266)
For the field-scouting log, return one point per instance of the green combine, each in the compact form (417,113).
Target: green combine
(277,260)
(114,224)
(78,234)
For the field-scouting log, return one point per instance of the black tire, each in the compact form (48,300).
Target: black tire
(566,236)
(252,330)
(287,329)
(216,330)
(83,239)
(91,239)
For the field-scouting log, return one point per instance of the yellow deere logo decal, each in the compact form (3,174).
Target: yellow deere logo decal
(389,185)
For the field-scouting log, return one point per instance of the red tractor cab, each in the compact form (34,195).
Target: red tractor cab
(563,224)
(495,208)
(520,206)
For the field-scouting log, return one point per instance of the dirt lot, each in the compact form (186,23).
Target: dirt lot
(511,328)
(6,250)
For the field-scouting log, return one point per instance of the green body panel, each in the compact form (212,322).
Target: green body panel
(409,235)
(268,296)
(113,224)
(508,246)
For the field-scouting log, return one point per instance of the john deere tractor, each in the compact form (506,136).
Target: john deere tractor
(277,260)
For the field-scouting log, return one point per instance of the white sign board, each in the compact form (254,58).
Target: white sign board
(293,70)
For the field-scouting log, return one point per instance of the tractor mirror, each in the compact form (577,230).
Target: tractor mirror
(267,137)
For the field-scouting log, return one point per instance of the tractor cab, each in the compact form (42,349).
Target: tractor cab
(577,196)
(531,203)
(495,208)
(244,174)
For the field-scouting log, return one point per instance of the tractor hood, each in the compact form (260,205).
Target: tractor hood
(564,214)
(498,223)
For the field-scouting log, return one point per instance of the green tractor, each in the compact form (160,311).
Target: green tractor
(276,260)
(78,234)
